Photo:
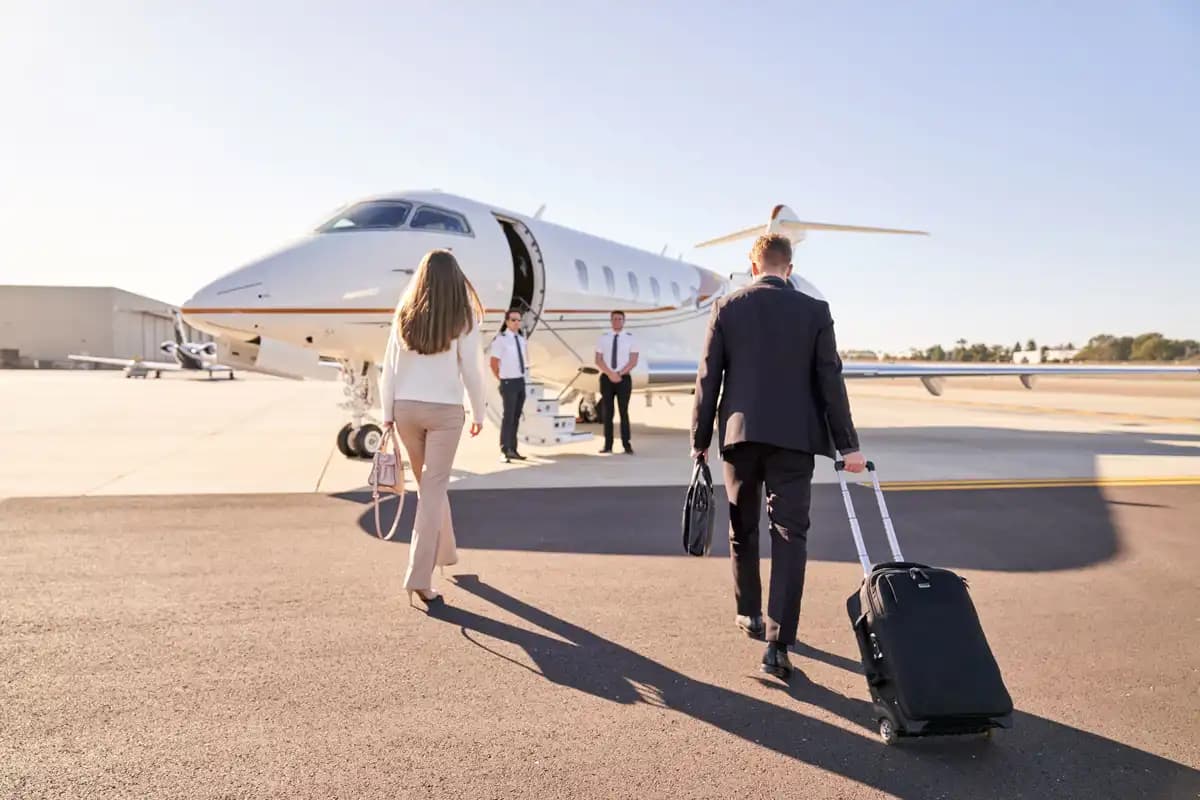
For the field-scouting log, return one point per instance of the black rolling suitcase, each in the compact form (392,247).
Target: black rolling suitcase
(928,665)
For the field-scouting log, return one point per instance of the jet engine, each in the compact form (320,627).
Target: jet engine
(169,348)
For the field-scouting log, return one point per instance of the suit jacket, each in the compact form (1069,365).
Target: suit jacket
(771,357)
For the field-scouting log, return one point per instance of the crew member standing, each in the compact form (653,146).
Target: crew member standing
(510,365)
(616,356)
(771,377)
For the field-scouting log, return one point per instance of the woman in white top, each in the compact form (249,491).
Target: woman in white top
(433,351)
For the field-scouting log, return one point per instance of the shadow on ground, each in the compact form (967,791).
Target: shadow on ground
(1037,758)
(1021,530)
(1005,529)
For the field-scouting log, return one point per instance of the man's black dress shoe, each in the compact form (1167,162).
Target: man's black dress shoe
(515,456)
(628,450)
(776,662)
(751,626)
(605,450)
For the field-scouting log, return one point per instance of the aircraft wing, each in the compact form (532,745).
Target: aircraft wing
(125,362)
(917,369)
(682,374)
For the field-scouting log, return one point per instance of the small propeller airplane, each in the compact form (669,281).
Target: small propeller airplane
(330,295)
(189,356)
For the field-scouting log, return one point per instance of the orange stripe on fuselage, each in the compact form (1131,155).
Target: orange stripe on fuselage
(290,310)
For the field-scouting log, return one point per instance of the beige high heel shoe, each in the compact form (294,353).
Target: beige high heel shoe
(428,598)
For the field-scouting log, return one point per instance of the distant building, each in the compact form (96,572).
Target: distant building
(40,325)
(1051,354)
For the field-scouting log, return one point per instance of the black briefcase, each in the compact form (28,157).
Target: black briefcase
(928,665)
(699,511)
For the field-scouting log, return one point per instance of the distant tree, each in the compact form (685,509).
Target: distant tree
(1017,347)
(1151,347)
(1070,345)
(935,353)
(1031,345)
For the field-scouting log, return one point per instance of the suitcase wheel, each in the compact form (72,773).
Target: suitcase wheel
(887,731)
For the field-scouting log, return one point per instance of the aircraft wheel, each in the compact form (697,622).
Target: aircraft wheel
(887,732)
(588,412)
(344,444)
(367,440)
(230,374)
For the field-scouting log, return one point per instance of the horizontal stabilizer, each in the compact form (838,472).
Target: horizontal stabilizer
(784,221)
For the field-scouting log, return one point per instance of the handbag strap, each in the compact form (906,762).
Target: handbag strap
(375,494)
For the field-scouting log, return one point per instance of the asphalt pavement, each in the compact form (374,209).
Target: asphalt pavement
(242,646)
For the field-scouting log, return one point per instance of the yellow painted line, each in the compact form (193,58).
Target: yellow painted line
(1035,483)
(1080,412)
(1076,412)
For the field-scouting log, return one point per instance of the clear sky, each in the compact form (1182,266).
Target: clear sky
(1051,149)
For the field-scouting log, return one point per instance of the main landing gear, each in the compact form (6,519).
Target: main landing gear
(589,411)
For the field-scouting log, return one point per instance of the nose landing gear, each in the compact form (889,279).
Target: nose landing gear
(359,438)
(360,442)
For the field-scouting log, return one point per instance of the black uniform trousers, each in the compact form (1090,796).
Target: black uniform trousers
(787,478)
(512,392)
(615,396)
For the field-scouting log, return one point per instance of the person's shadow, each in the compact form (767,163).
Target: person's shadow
(1037,758)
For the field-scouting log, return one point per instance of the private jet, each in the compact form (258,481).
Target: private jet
(330,296)
(189,356)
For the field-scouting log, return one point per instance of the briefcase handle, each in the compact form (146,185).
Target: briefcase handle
(840,467)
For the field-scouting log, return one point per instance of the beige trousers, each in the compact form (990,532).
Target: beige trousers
(430,433)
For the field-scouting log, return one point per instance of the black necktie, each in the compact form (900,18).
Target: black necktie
(614,358)
(520,357)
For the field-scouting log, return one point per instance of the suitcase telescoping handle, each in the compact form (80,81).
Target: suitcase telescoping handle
(840,467)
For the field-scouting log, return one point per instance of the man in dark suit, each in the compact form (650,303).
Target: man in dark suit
(771,349)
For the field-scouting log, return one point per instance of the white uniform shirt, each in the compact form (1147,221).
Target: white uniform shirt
(504,347)
(625,349)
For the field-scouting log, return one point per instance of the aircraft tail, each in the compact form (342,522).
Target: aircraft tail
(179,337)
(783,220)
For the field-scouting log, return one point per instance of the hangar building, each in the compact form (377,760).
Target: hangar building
(40,325)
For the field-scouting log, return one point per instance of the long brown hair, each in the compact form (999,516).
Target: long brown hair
(439,306)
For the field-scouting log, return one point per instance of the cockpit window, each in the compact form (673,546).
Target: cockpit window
(372,214)
(429,218)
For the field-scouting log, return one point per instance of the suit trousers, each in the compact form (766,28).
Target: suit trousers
(430,433)
(512,392)
(787,477)
(614,397)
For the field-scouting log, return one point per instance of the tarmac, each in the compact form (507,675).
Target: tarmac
(192,605)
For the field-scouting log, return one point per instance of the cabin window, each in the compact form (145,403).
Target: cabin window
(371,215)
(675,292)
(633,285)
(581,273)
(429,218)
(610,281)
(655,291)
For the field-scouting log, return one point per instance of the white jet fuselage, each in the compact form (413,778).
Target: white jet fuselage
(334,293)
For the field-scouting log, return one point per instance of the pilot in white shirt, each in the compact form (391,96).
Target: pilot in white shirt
(616,356)
(510,365)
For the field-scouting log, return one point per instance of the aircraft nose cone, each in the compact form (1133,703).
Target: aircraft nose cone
(201,310)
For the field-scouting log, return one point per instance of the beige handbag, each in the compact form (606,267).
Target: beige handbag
(387,477)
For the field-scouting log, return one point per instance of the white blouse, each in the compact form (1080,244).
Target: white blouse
(436,378)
